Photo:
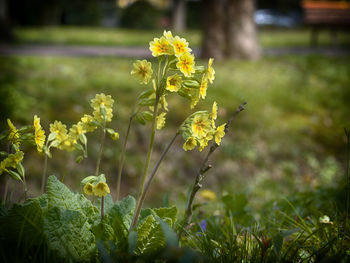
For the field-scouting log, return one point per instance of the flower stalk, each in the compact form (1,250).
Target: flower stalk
(43,178)
(122,157)
(102,207)
(103,135)
(148,158)
(149,181)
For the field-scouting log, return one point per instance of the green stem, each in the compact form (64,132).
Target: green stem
(347,176)
(43,178)
(103,135)
(6,190)
(148,158)
(102,207)
(25,188)
(149,181)
(121,162)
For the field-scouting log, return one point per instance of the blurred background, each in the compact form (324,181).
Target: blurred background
(289,59)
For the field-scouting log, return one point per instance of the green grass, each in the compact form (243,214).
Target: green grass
(125,37)
(289,138)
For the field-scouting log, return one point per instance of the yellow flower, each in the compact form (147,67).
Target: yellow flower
(3,166)
(208,194)
(186,64)
(180,46)
(173,83)
(214,114)
(76,130)
(161,120)
(190,144)
(168,35)
(164,103)
(203,86)
(87,123)
(142,70)
(39,134)
(200,126)
(219,133)
(60,130)
(115,136)
(101,189)
(99,117)
(68,144)
(161,46)
(13,159)
(203,143)
(101,100)
(211,71)
(195,96)
(13,136)
(39,138)
(89,189)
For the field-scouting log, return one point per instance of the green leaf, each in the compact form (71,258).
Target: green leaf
(59,195)
(145,94)
(89,179)
(54,143)
(20,169)
(23,223)
(132,241)
(52,136)
(184,94)
(191,84)
(119,216)
(14,175)
(150,236)
(147,115)
(169,234)
(79,159)
(147,102)
(140,119)
(82,138)
(110,131)
(68,234)
(167,213)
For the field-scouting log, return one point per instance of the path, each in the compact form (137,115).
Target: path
(141,52)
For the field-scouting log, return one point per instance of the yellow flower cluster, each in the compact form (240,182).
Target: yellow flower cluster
(177,73)
(102,112)
(12,160)
(39,134)
(200,128)
(14,136)
(99,189)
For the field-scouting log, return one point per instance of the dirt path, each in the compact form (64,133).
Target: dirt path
(141,52)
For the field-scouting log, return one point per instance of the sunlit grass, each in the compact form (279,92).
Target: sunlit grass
(126,37)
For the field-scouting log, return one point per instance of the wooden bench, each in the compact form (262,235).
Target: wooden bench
(334,15)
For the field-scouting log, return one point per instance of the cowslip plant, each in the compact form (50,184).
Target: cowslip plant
(124,227)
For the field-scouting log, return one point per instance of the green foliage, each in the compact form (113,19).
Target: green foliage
(68,225)
(68,234)
(59,195)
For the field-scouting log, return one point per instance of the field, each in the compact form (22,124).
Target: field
(124,37)
(286,151)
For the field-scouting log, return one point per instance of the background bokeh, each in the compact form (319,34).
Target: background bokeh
(289,139)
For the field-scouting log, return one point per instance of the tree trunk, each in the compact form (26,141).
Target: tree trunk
(179,15)
(6,33)
(213,44)
(241,32)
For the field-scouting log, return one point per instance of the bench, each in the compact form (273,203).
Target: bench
(318,14)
